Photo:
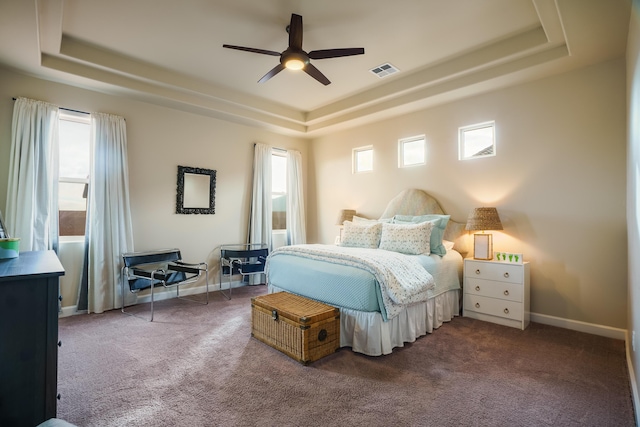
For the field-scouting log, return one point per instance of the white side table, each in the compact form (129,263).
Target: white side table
(497,292)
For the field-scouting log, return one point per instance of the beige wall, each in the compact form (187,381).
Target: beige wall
(633,186)
(160,139)
(558,181)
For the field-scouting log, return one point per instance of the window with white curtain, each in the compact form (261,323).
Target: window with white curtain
(279,189)
(74,159)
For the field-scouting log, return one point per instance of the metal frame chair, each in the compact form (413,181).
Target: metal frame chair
(244,259)
(143,270)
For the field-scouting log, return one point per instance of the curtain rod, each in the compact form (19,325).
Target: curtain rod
(67,109)
(284,150)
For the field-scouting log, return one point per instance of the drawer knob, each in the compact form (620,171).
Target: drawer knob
(478,288)
(506,292)
(506,274)
(59,343)
(58,396)
(478,271)
(477,305)
(506,311)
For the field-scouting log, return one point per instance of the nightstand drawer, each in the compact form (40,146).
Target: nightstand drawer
(486,288)
(493,307)
(494,271)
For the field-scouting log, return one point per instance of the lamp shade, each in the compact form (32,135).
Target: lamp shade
(345,215)
(484,219)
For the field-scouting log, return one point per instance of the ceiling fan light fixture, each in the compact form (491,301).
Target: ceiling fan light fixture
(294,64)
(294,60)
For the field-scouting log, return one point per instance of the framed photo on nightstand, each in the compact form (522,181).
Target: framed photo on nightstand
(482,246)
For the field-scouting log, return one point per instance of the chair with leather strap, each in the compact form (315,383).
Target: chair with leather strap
(144,270)
(241,259)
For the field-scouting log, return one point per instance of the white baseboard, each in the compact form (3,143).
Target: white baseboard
(632,379)
(171,293)
(70,310)
(576,325)
(158,295)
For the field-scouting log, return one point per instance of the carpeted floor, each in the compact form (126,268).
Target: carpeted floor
(197,365)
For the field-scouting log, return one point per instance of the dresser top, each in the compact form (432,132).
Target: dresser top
(32,263)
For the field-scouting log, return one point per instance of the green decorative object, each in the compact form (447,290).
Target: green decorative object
(9,248)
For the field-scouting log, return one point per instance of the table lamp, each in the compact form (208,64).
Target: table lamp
(481,219)
(345,215)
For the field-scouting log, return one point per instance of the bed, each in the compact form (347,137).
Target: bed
(384,296)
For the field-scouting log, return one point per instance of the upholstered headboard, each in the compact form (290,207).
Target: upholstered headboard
(417,202)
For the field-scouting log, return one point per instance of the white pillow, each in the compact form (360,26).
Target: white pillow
(360,219)
(361,235)
(411,239)
(448,245)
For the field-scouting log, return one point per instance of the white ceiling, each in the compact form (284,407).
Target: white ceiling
(170,52)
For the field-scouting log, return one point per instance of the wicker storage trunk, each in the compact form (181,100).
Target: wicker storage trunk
(303,329)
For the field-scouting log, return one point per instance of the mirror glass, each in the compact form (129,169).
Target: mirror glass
(196,191)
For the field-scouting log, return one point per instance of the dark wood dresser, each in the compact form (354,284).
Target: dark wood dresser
(29,338)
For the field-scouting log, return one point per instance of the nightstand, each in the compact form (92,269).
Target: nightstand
(497,292)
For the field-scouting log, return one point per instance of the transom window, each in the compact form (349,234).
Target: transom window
(412,151)
(363,159)
(477,141)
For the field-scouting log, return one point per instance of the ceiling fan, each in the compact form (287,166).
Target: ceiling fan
(294,58)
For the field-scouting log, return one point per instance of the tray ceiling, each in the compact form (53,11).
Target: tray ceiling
(170,52)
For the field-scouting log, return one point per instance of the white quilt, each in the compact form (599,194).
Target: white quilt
(403,280)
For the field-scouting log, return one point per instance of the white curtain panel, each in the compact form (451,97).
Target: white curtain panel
(110,230)
(296,225)
(32,191)
(260,223)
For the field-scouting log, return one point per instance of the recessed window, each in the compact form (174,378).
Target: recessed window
(74,159)
(412,151)
(279,190)
(363,159)
(477,141)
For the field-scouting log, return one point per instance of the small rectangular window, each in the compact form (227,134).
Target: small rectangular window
(477,141)
(412,151)
(363,159)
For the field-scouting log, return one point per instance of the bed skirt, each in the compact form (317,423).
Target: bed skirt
(367,333)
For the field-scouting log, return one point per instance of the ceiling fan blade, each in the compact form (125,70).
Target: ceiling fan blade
(251,49)
(295,32)
(335,53)
(275,70)
(316,74)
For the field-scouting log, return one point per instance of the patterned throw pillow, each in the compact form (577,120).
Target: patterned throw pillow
(361,235)
(411,239)
(437,232)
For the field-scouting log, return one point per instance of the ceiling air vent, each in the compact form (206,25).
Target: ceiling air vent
(384,70)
